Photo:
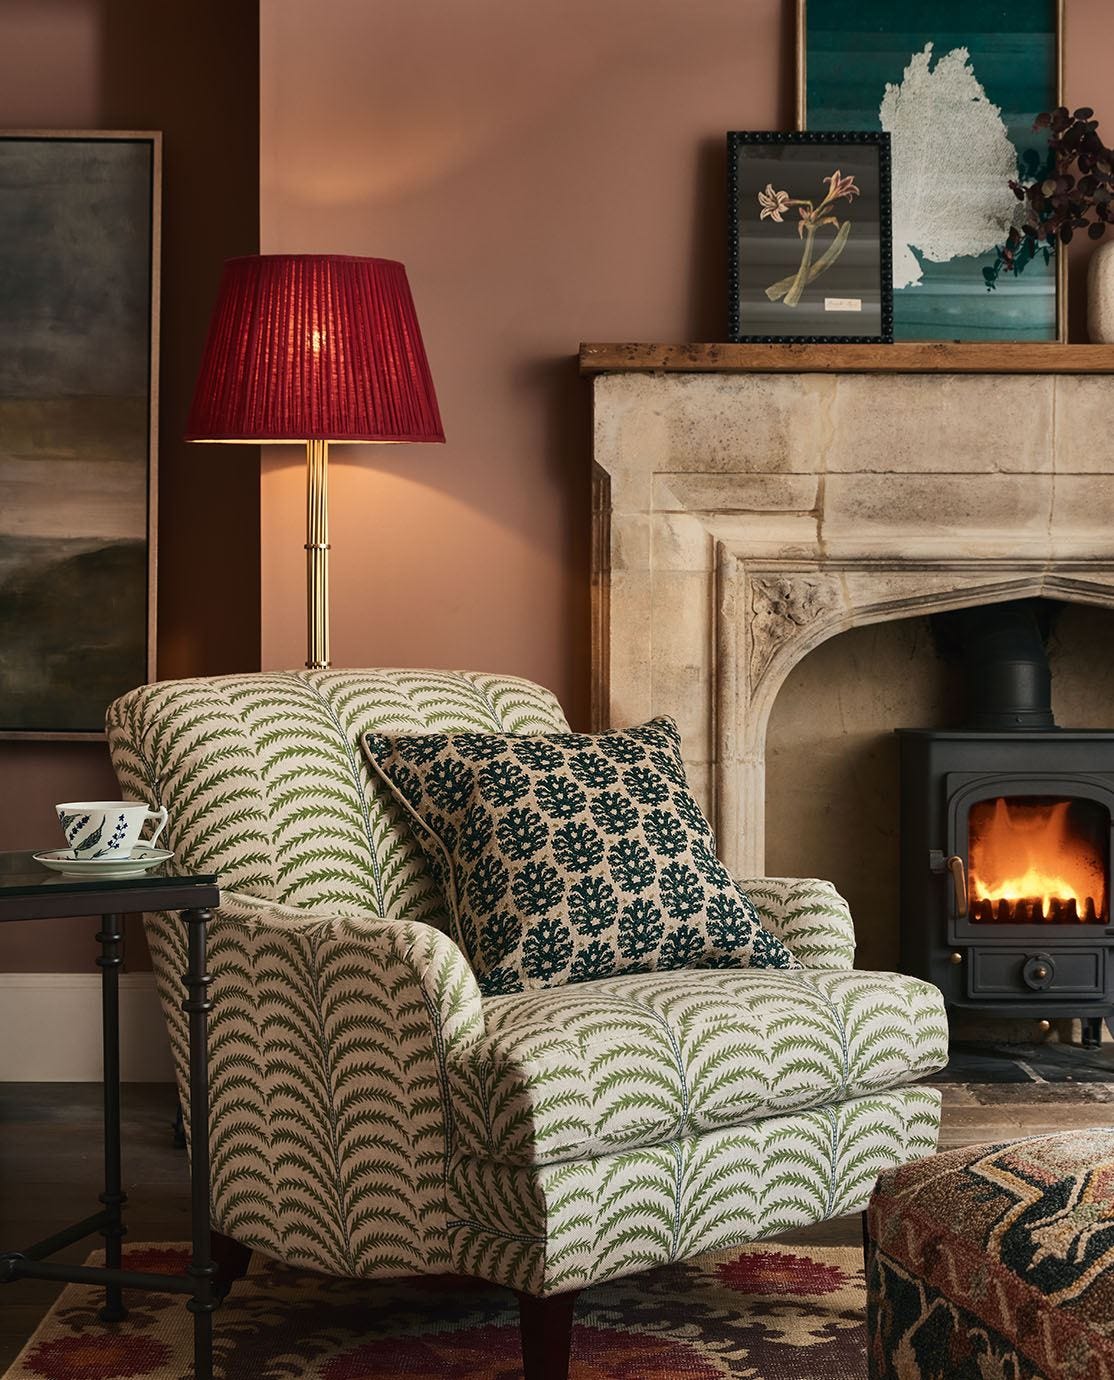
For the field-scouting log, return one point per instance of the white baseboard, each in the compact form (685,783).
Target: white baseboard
(50,1029)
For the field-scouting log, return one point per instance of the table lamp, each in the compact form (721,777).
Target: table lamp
(314,348)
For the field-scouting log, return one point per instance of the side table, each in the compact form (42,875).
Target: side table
(28,891)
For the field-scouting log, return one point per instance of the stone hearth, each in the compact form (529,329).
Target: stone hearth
(743,518)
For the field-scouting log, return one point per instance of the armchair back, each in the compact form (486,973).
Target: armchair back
(266,786)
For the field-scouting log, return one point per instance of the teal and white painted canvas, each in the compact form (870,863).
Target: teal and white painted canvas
(957,83)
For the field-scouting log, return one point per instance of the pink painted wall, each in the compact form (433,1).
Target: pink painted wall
(51,80)
(131,64)
(1089,39)
(549,172)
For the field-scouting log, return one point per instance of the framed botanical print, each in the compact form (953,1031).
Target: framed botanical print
(809,238)
(79,290)
(957,85)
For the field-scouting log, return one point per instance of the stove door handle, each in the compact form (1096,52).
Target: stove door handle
(959,881)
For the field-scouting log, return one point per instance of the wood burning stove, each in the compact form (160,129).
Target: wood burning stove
(1006,832)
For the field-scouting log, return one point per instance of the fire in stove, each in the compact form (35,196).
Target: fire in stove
(1035,860)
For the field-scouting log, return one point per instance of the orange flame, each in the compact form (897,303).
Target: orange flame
(1027,851)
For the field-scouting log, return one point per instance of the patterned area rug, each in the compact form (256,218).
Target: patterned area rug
(764,1313)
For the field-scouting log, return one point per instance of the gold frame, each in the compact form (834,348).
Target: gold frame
(154,137)
(1061,257)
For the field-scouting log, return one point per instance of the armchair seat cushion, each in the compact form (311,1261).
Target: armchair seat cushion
(644,1059)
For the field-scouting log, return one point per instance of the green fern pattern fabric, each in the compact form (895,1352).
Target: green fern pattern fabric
(807,915)
(267,786)
(557,1227)
(329,1041)
(633,1061)
(566,858)
(345,1036)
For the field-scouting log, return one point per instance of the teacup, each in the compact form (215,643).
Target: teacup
(107,828)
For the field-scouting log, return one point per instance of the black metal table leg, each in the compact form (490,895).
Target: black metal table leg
(202,1269)
(1091,1031)
(110,939)
(29,892)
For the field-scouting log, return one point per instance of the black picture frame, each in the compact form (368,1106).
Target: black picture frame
(864,277)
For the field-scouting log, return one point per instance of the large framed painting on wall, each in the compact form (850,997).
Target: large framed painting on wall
(808,238)
(957,84)
(79,288)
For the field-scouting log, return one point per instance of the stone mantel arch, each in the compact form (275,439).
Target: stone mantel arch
(779,613)
(742,520)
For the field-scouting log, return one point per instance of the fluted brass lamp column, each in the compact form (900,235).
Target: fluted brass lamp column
(314,348)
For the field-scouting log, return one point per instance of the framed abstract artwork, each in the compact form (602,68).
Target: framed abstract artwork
(808,238)
(957,85)
(79,290)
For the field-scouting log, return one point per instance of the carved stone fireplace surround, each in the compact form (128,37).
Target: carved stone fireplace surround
(753,501)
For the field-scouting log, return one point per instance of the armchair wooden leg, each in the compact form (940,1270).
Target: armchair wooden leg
(231,1259)
(546,1327)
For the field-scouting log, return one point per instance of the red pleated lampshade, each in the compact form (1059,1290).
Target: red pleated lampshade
(314,347)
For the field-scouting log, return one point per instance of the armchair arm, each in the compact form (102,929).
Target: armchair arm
(809,915)
(328,1041)
(430,958)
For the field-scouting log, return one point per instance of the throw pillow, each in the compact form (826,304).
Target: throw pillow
(566,857)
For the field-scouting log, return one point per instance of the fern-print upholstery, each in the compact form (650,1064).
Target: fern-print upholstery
(644,1059)
(360,1124)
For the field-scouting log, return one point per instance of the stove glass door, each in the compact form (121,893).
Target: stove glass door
(1038,860)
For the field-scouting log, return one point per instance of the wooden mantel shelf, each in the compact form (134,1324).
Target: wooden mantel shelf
(928,358)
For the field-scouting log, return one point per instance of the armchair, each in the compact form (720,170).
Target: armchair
(373,1115)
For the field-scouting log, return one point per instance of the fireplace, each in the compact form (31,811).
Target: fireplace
(752,502)
(1006,840)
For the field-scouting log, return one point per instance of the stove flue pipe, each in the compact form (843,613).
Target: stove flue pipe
(1008,679)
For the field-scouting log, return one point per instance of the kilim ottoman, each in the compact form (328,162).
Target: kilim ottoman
(995,1262)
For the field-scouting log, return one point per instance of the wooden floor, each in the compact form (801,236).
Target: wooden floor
(50,1171)
(50,1165)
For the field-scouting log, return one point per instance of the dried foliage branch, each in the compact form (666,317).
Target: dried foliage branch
(1073,191)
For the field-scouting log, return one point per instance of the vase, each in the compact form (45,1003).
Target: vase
(1100,295)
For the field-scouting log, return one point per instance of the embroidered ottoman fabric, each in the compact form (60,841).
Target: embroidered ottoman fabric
(995,1262)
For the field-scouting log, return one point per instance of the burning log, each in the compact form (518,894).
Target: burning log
(1032,910)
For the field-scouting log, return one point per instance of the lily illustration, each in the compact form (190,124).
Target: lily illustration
(811,216)
(773,204)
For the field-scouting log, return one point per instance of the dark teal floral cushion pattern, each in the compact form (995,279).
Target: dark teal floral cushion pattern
(567,857)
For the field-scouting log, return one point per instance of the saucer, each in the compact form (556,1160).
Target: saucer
(140,860)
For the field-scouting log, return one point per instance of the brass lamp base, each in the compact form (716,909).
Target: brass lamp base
(317,555)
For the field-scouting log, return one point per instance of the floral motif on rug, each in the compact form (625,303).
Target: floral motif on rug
(761,1313)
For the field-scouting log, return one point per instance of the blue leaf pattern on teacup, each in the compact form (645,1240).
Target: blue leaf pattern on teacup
(72,825)
(90,840)
(117,834)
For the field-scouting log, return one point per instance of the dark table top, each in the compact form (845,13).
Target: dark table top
(30,891)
